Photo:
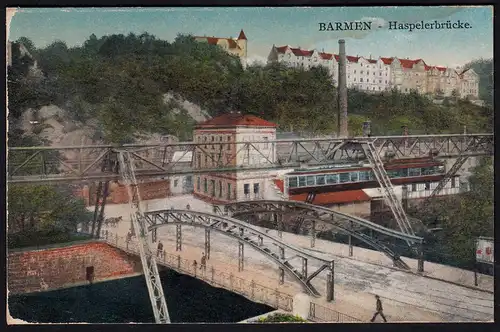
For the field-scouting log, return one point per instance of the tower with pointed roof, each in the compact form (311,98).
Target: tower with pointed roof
(236,46)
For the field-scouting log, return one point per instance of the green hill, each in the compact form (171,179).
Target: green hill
(121,82)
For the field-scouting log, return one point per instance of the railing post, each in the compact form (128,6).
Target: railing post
(252,284)
(213,272)
(350,240)
(179,262)
(312,310)
(421,258)
(231,281)
(313,234)
(277,298)
(106,234)
(116,240)
(164,253)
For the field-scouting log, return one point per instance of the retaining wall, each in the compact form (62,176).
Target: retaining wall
(49,269)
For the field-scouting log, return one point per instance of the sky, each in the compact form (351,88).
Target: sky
(265,26)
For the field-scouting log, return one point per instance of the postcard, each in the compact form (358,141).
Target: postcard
(250,165)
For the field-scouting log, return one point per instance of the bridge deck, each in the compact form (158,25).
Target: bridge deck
(405,296)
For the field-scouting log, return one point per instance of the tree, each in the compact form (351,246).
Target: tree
(38,212)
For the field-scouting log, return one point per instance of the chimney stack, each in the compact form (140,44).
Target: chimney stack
(342,92)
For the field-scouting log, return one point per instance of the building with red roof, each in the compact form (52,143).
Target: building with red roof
(219,135)
(384,73)
(235,46)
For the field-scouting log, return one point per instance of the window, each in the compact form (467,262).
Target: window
(292,182)
(344,177)
(176,182)
(332,178)
(363,176)
(413,171)
(198,159)
(198,183)
(427,186)
(454,182)
(361,79)
(206,160)
(256,189)
(355,71)
(220,188)
(311,180)
(320,180)
(228,191)
(354,176)
(392,173)
(354,79)
(367,72)
(212,186)
(213,145)
(246,188)
(266,144)
(413,187)
(302,181)
(380,81)
(205,186)
(361,72)
(205,140)
(385,81)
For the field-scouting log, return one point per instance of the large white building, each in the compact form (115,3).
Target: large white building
(377,75)
(228,129)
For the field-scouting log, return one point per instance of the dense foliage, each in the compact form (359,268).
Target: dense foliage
(43,214)
(121,81)
(282,318)
(462,218)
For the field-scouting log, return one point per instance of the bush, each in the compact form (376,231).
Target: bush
(32,238)
(282,318)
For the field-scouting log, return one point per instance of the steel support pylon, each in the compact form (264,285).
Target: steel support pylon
(148,259)
(387,188)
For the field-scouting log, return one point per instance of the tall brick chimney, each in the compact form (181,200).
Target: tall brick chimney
(342,92)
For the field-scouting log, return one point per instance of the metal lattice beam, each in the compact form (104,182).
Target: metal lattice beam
(272,247)
(79,163)
(320,215)
(148,258)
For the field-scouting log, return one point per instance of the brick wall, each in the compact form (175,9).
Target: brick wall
(118,192)
(37,270)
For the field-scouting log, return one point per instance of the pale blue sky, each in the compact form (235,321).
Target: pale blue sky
(296,26)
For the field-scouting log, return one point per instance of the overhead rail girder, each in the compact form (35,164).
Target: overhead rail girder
(82,163)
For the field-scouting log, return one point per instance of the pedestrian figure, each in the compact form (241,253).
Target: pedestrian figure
(203,264)
(129,236)
(188,207)
(160,249)
(380,310)
(195,264)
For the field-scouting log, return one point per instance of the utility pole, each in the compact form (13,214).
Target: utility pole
(342,92)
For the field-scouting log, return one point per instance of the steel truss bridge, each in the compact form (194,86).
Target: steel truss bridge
(288,257)
(315,218)
(104,163)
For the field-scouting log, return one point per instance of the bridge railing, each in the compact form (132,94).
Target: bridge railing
(319,313)
(217,278)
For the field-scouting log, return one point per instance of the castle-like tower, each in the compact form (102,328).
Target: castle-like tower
(237,46)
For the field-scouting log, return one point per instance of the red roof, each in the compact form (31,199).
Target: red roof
(372,61)
(299,52)
(282,49)
(338,197)
(279,184)
(387,61)
(441,68)
(405,63)
(326,56)
(236,120)
(214,40)
(352,58)
(242,35)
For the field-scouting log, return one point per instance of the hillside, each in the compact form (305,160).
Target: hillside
(123,87)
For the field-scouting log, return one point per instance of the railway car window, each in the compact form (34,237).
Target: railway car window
(311,180)
(292,182)
(205,185)
(320,180)
(332,178)
(403,173)
(354,176)
(427,170)
(392,174)
(414,171)
(344,177)
(364,176)
(302,181)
